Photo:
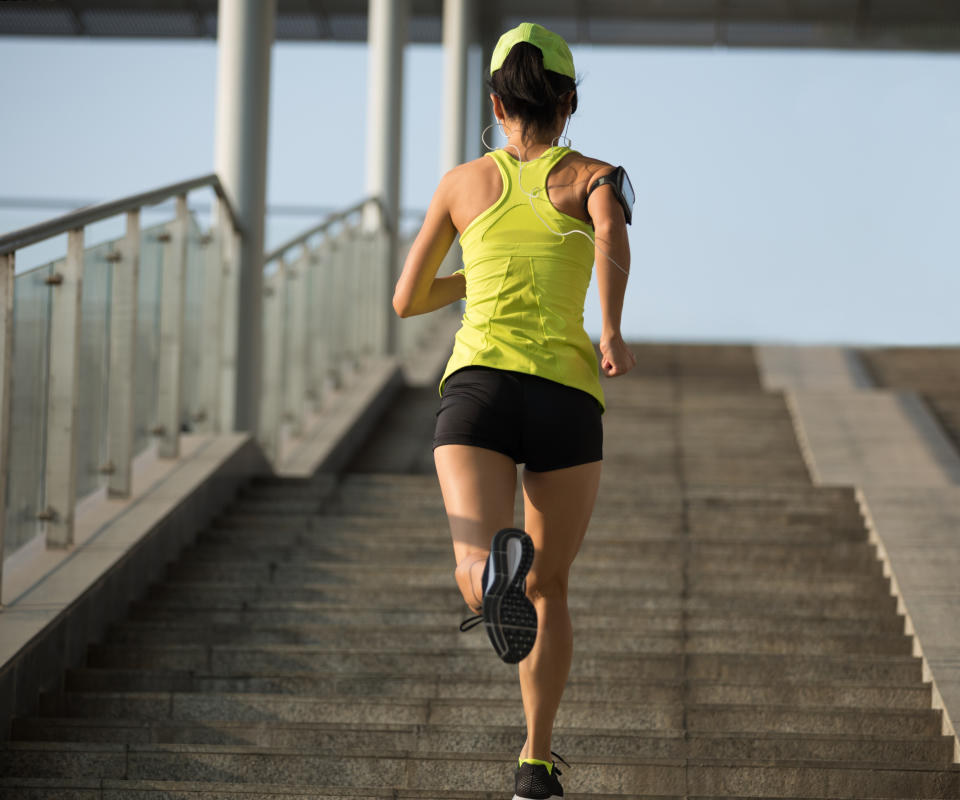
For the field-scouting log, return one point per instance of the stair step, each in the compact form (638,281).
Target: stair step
(422,638)
(490,772)
(706,558)
(344,687)
(433,529)
(620,577)
(712,666)
(585,742)
(90,789)
(251,706)
(733,601)
(638,620)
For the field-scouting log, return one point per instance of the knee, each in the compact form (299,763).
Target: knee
(541,586)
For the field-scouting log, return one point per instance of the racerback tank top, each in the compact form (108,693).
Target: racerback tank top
(526,285)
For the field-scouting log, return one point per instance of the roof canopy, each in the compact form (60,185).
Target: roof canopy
(855,24)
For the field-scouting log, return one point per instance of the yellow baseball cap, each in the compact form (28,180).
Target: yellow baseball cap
(556,54)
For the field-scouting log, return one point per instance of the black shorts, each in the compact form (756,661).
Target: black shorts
(534,421)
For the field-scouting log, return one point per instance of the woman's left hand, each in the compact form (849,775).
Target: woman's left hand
(616,357)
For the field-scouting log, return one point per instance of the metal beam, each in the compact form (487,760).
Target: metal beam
(932,25)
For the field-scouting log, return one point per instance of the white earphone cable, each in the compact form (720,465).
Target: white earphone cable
(536,195)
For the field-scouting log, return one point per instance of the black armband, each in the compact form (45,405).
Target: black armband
(622,190)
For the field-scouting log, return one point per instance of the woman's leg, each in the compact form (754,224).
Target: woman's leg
(478,488)
(557,509)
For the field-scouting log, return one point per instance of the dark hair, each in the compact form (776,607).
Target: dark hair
(528,91)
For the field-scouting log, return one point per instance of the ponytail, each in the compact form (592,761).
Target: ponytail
(529,92)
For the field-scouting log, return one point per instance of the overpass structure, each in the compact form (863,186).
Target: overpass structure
(768,592)
(882,24)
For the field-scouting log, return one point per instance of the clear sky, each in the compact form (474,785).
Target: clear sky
(807,196)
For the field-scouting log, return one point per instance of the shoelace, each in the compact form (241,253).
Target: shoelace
(471,622)
(561,759)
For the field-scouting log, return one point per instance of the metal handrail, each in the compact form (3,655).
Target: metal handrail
(85,216)
(328,222)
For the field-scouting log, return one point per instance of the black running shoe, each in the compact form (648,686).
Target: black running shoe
(536,782)
(508,616)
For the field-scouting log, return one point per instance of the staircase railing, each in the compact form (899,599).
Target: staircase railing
(127,344)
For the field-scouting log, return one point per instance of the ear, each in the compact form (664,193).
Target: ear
(498,111)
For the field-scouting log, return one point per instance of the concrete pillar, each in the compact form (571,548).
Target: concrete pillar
(458,32)
(387,34)
(489,32)
(245,30)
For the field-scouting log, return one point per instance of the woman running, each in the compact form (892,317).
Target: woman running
(522,384)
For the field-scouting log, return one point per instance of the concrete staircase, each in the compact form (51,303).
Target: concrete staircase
(933,372)
(735,636)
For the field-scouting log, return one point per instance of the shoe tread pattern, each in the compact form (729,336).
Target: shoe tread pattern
(509,617)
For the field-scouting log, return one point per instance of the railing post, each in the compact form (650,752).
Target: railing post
(171,333)
(354,264)
(334,309)
(227,333)
(210,327)
(385,291)
(63,380)
(297,365)
(272,394)
(7,269)
(368,292)
(123,351)
(320,324)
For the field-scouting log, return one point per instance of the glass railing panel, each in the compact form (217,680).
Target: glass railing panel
(31,350)
(149,290)
(93,370)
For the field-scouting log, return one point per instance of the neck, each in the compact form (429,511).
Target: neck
(530,146)
(526,150)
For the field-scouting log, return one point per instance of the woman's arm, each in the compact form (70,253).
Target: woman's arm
(613,263)
(419,290)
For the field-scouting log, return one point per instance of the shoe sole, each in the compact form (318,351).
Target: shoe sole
(551,797)
(508,616)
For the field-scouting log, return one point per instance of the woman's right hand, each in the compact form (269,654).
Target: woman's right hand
(616,358)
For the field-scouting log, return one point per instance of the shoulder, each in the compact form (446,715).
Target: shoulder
(591,168)
(469,170)
(581,169)
(467,174)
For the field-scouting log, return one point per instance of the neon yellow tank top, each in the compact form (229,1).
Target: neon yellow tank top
(526,285)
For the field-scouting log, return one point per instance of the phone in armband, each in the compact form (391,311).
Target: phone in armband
(622,190)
